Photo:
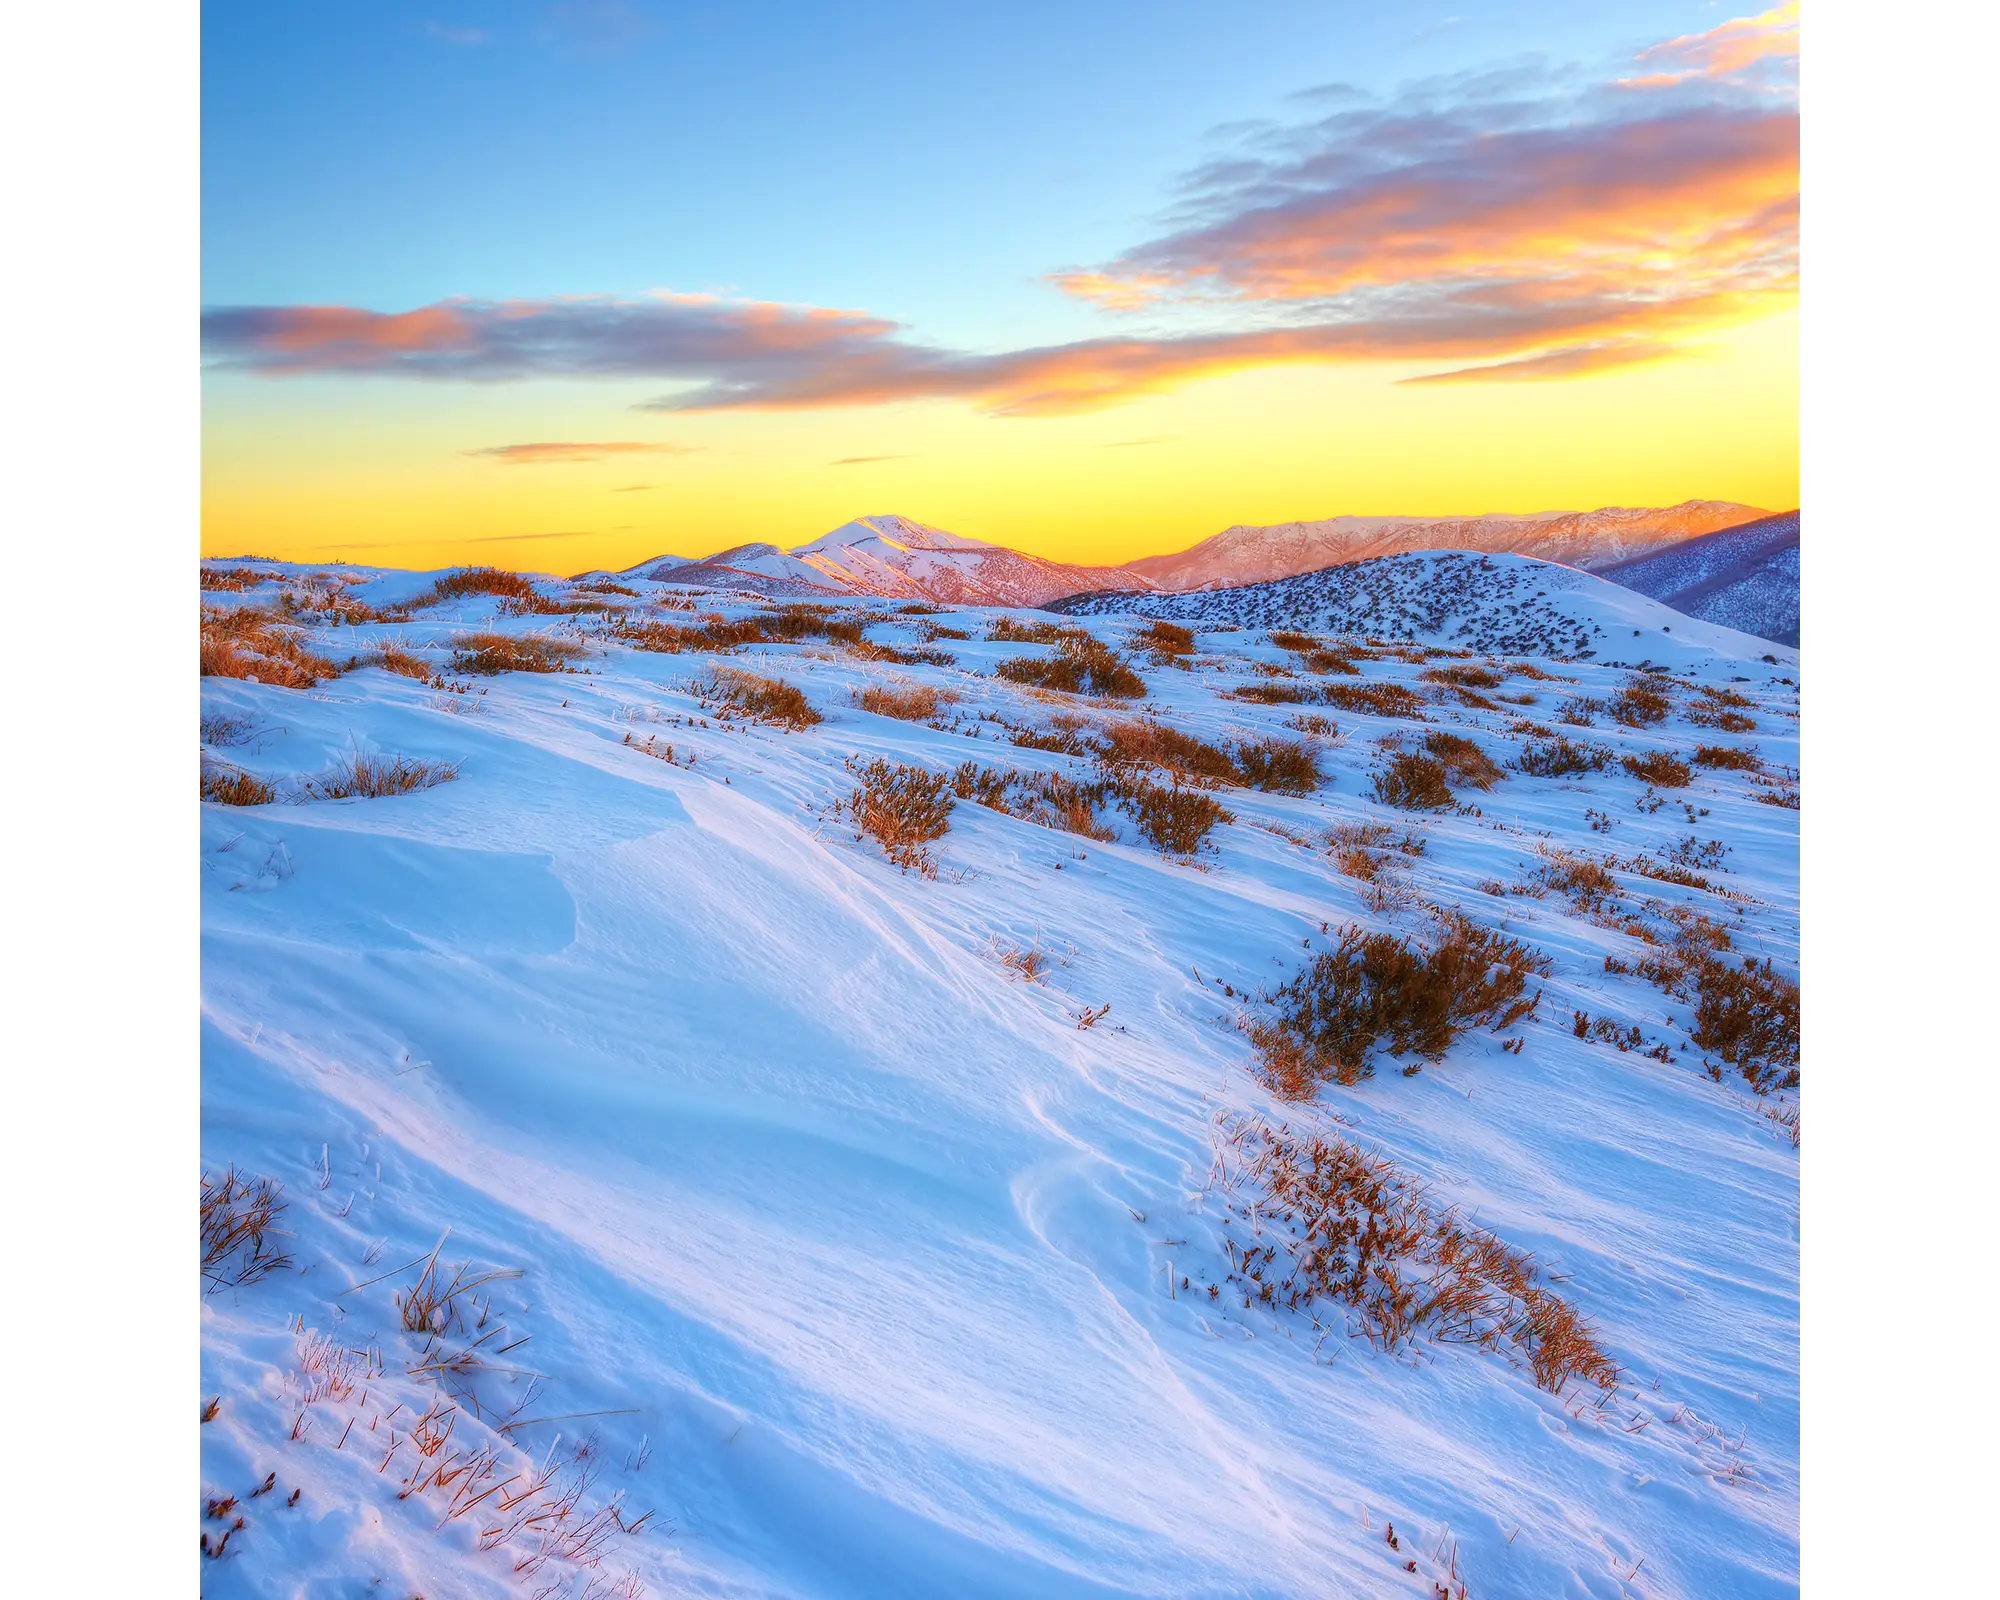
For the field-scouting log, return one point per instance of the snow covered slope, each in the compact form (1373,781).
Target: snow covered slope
(1511,604)
(758,568)
(1745,578)
(837,1260)
(1587,539)
(895,558)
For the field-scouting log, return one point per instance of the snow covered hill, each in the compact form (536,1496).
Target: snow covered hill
(670,1193)
(1745,578)
(1588,539)
(1512,604)
(896,558)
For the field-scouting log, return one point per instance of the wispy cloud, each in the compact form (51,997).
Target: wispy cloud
(464,38)
(531,455)
(1520,222)
(862,461)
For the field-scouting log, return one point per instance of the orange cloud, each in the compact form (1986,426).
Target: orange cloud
(1507,222)
(527,455)
(1730,49)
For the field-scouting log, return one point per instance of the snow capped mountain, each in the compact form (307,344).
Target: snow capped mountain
(1587,539)
(898,558)
(1745,577)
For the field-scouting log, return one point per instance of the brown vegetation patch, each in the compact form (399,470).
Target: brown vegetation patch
(239,1224)
(1375,989)
(364,777)
(1558,757)
(917,703)
(1354,1230)
(1727,758)
(1412,783)
(1082,664)
(1660,769)
(1377,699)
(231,786)
(1176,822)
(251,644)
(903,808)
(1463,761)
(1278,765)
(768,700)
(487,654)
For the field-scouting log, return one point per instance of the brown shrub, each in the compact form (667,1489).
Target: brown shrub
(1377,699)
(1009,630)
(1280,694)
(486,654)
(903,809)
(713,632)
(404,663)
(1356,1231)
(470,581)
(1082,664)
(914,704)
(363,777)
(1463,761)
(1292,640)
(1182,756)
(1787,798)
(1331,661)
(605,586)
(1708,716)
(1311,722)
(1046,799)
(1661,770)
(1586,883)
(1749,1015)
(1464,677)
(247,643)
(1642,701)
(1412,783)
(1176,822)
(767,700)
(1165,639)
(1278,766)
(233,579)
(231,786)
(1374,989)
(1726,757)
(1557,757)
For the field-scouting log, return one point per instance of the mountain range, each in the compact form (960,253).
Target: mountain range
(1745,577)
(897,557)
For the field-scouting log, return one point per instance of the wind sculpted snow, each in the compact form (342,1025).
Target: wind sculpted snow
(816,1248)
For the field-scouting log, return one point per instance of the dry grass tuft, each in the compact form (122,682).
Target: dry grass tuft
(1464,677)
(218,727)
(404,663)
(1586,883)
(1661,770)
(1355,1231)
(247,643)
(1278,765)
(1727,758)
(1412,783)
(1176,822)
(1082,664)
(233,580)
(1463,761)
(713,633)
(1558,757)
(1376,699)
(239,1216)
(1184,758)
(231,786)
(1375,988)
(487,654)
(903,808)
(1046,799)
(767,700)
(1165,641)
(1026,962)
(363,777)
(914,704)
(1641,702)
(471,581)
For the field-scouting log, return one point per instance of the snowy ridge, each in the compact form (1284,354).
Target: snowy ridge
(1588,539)
(860,1263)
(1510,604)
(1745,578)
